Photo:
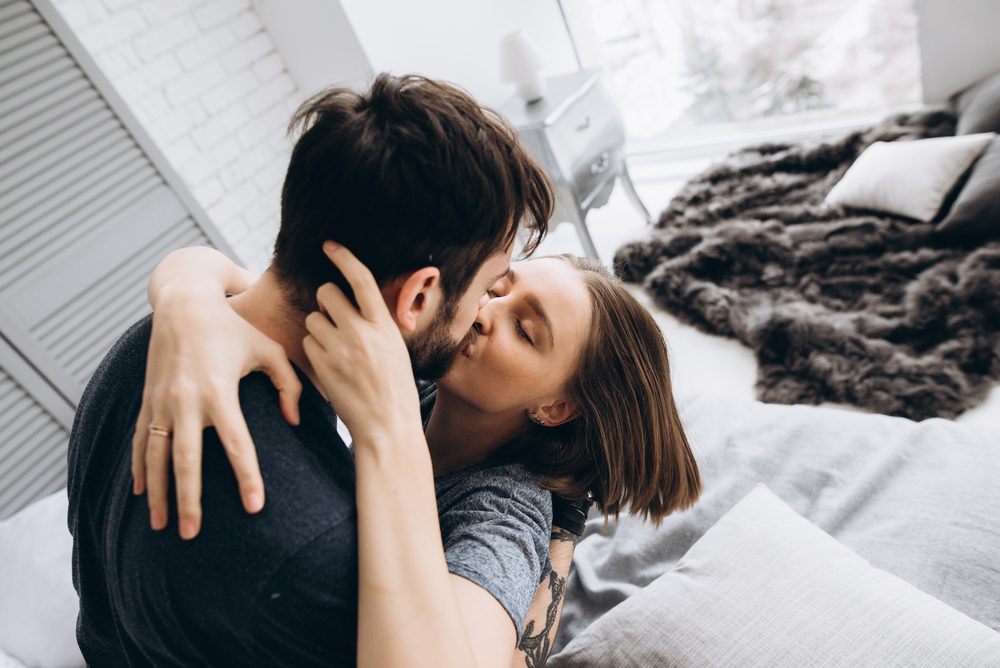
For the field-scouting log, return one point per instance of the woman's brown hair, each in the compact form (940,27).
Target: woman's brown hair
(626,447)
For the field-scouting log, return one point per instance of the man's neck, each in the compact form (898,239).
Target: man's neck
(459,435)
(265,306)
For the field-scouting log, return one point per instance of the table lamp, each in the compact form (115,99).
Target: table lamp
(521,64)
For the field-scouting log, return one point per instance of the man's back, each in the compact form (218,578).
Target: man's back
(276,588)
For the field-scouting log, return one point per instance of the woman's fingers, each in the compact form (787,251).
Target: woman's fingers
(334,305)
(319,326)
(157,475)
(187,474)
(358,276)
(275,364)
(235,437)
(139,448)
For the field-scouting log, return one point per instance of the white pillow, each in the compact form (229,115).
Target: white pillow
(908,178)
(38,605)
(764,587)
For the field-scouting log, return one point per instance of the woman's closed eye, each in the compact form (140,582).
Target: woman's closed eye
(520,332)
(518,328)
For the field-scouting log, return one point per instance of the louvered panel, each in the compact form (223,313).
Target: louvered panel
(21,44)
(21,427)
(7,398)
(18,404)
(114,316)
(10,9)
(42,73)
(79,218)
(37,148)
(29,65)
(77,186)
(52,87)
(33,34)
(74,174)
(19,443)
(129,278)
(60,324)
(35,116)
(40,129)
(33,454)
(21,169)
(38,475)
(16,19)
(87,208)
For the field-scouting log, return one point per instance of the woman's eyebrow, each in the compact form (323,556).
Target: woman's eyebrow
(536,306)
(506,273)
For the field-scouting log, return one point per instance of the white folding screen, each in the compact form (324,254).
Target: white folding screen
(87,208)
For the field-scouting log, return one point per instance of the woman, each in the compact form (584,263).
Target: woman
(566,375)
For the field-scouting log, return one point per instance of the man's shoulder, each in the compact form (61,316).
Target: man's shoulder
(124,365)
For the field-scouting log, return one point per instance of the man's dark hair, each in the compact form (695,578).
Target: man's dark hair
(411,173)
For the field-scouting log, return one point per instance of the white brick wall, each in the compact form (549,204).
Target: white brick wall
(205,80)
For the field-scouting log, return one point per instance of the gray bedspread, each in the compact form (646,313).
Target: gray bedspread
(919,500)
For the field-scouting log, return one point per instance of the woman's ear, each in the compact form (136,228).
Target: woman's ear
(417,297)
(557,413)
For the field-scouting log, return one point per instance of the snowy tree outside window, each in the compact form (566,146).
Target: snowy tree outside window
(688,69)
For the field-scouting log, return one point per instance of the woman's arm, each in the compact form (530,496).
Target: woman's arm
(542,622)
(197,270)
(411,610)
(198,351)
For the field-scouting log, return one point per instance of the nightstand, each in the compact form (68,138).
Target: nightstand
(576,133)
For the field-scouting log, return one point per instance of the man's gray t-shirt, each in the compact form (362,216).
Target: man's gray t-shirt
(276,588)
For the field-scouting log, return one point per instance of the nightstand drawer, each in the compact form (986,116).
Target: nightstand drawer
(591,121)
(595,169)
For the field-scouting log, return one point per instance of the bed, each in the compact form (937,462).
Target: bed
(915,499)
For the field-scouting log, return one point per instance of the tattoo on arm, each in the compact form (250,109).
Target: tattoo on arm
(564,536)
(536,647)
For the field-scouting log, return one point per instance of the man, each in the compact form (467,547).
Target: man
(428,190)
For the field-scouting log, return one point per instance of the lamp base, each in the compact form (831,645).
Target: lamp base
(531,90)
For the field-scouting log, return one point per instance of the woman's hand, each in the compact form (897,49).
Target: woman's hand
(198,351)
(360,358)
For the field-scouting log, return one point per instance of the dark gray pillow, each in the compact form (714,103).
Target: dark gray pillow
(975,215)
(978,107)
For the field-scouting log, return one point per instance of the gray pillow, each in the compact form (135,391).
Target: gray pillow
(975,215)
(764,587)
(978,107)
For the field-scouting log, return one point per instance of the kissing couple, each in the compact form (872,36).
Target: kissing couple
(489,403)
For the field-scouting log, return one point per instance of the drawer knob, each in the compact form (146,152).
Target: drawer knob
(601,163)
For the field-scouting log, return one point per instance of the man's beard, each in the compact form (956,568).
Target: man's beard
(434,351)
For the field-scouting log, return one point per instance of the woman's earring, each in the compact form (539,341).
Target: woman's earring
(534,417)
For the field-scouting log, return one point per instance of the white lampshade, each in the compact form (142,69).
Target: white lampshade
(520,64)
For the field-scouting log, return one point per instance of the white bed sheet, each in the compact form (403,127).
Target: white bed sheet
(917,500)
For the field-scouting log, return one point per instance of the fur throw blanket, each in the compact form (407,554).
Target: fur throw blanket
(848,307)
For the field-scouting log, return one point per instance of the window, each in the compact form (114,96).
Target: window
(711,70)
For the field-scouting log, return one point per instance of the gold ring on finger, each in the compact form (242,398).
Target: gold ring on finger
(157,430)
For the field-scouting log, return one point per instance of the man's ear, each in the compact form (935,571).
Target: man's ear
(557,413)
(417,297)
